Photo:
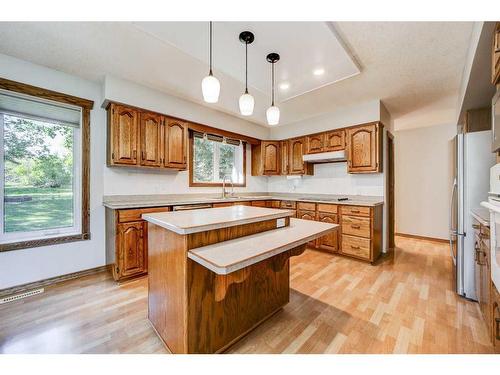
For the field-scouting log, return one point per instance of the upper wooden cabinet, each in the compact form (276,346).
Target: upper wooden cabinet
(296,163)
(266,158)
(151,139)
(315,143)
(284,158)
(123,133)
(334,140)
(175,144)
(495,56)
(139,138)
(364,148)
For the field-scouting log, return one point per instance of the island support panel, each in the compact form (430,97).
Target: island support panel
(170,296)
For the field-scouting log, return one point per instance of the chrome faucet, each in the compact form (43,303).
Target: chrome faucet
(224,186)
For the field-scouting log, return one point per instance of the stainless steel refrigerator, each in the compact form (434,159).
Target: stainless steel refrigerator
(472,162)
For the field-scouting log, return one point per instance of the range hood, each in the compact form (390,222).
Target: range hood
(326,157)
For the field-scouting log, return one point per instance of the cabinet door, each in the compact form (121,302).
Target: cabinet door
(335,140)
(307,215)
(495,54)
(363,149)
(132,245)
(315,143)
(296,163)
(175,144)
(330,241)
(271,157)
(284,157)
(123,135)
(151,142)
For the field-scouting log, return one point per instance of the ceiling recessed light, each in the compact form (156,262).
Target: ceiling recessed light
(284,86)
(319,71)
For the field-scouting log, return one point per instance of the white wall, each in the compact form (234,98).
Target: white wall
(23,266)
(119,181)
(423,172)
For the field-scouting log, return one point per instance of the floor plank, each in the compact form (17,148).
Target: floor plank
(404,304)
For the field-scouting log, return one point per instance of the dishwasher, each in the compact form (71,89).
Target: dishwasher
(188,207)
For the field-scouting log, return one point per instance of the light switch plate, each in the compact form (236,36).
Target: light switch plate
(280,223)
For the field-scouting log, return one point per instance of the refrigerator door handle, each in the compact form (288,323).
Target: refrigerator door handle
(453,231)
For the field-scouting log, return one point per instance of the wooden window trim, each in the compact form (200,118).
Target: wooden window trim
(86,105)
(213,184)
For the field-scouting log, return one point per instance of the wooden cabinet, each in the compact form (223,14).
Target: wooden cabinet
(151,139)
(334,140)
(284,158)
(307,215)
(364,148)
(315,143)
(330,241)
(266,158)
(296,164)
(361,232)
(127,241)
(132,242)
(495,56)
(123,133)
(495,318)
(175,144)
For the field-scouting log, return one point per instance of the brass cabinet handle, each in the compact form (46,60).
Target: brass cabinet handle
(355,211)
(355,226)
(355,247)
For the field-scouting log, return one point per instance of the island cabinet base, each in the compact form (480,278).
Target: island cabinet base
(223,308)
(195,310)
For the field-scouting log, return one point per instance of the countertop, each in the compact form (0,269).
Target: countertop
(158,200)
(233,255)
(481,214)
(194,221)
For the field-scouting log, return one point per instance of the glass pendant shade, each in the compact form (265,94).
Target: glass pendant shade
(246,104)
(273,115)
(210,87)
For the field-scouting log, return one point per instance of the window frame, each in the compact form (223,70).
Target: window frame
(192,183)
(84,176)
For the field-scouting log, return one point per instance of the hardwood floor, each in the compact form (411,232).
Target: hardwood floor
(405,304)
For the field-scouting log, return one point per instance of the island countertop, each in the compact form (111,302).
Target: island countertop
(194,221)
(233,255)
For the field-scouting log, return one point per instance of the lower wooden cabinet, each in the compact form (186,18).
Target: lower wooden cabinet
(127,241)
(329,242)
(132,259)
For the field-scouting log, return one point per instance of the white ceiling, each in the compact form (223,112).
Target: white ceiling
(413,67)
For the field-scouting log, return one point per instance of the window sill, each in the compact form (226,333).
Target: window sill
(43,242)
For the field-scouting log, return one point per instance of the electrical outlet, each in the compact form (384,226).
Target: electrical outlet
(280,223)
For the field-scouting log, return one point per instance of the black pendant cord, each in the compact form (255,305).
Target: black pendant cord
(272,104)
(246,68)
(210,53)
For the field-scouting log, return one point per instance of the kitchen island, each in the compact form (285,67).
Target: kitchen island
(217,273)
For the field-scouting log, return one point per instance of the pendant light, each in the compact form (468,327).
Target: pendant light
(246,100)
(210,85)
(273,112)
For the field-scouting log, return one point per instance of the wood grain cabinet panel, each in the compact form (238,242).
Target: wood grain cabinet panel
(315,143)
(151,139)
(330,241)
(123,130)
(307,215)
(334,141)
(356,246)
(495,56)
(296,164)
(132,257)
(364,151)
(175,144)
(284,147)
(271,158)
(356,226)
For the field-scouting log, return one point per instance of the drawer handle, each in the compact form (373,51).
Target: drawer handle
(355,247)
(355,226)
(355,211)
(476,226)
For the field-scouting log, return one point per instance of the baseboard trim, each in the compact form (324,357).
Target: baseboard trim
(433,239)
(53,280)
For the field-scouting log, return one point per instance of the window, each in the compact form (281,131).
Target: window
(42,185)
(215,157)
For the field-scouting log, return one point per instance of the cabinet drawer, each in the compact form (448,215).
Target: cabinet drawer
(134,214)
(289,204)
(308,206)
(273,204)
(222,204)
(259,203)
(355,210)
(331,208)
(356,226)
(246,203)
(359,247)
